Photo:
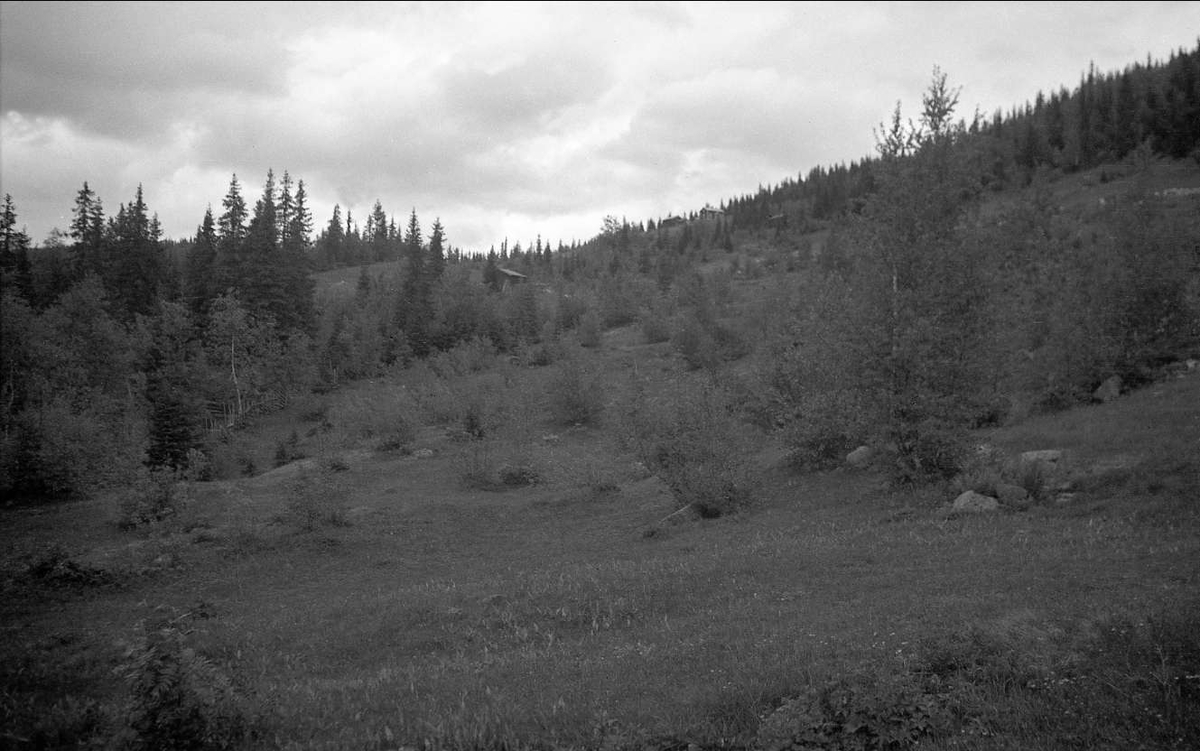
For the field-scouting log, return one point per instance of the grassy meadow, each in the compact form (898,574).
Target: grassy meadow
(446,557)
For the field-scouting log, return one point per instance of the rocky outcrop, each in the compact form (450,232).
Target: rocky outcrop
(860,457)
(972,502)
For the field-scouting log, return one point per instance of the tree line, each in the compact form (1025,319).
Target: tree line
(1108,116)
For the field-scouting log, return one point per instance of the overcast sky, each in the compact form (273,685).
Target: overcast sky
(505,119)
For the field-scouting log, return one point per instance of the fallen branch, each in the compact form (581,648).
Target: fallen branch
(675,512)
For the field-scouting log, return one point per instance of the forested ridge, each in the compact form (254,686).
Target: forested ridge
(914,319)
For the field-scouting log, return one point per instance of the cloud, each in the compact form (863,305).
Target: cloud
(124,69)
(503,118)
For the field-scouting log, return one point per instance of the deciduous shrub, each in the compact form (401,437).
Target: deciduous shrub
(576,396)
(315,498)
(693,442)
(179,699)
(155,495)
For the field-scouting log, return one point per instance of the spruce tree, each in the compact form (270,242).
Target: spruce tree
(378,235)
(172,389)
(414,309)
(136,267)
(231,238)
(198,283)
(436,262)
(14,253)
(87,230)
(296,253)
(262,285)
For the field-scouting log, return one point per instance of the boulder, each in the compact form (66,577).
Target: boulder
(975,502)
(1109,390)
(1011,495)
(860,457)
(423,453)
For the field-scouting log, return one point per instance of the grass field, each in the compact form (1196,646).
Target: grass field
(374,597)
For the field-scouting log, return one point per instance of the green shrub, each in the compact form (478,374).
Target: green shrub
(927,451)
(383,420)
(854,714)
(576,396)
(287,450)
(59,451)
(156,494)
(473,355)
(315,498)
(656,326)
(179,699)
(590,329)
(692,441)
(54,567)
(826,427)
(517,476)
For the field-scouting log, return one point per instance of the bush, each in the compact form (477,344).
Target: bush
(179,699)
(54,567)
(315,498)
(828,425)
(928,451)
(705,343)
(474,355)
(156,494)
(576,396)
(694,444)
(656,326)
(590,329)
(383,420)
(517,476)
(287,451)
(60,451)
(854,713)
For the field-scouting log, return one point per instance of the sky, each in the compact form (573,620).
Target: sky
(505,120)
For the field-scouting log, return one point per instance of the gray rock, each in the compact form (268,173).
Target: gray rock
(860,457)
(423,453)
(1049,458)
(1109,390)
(975,502)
